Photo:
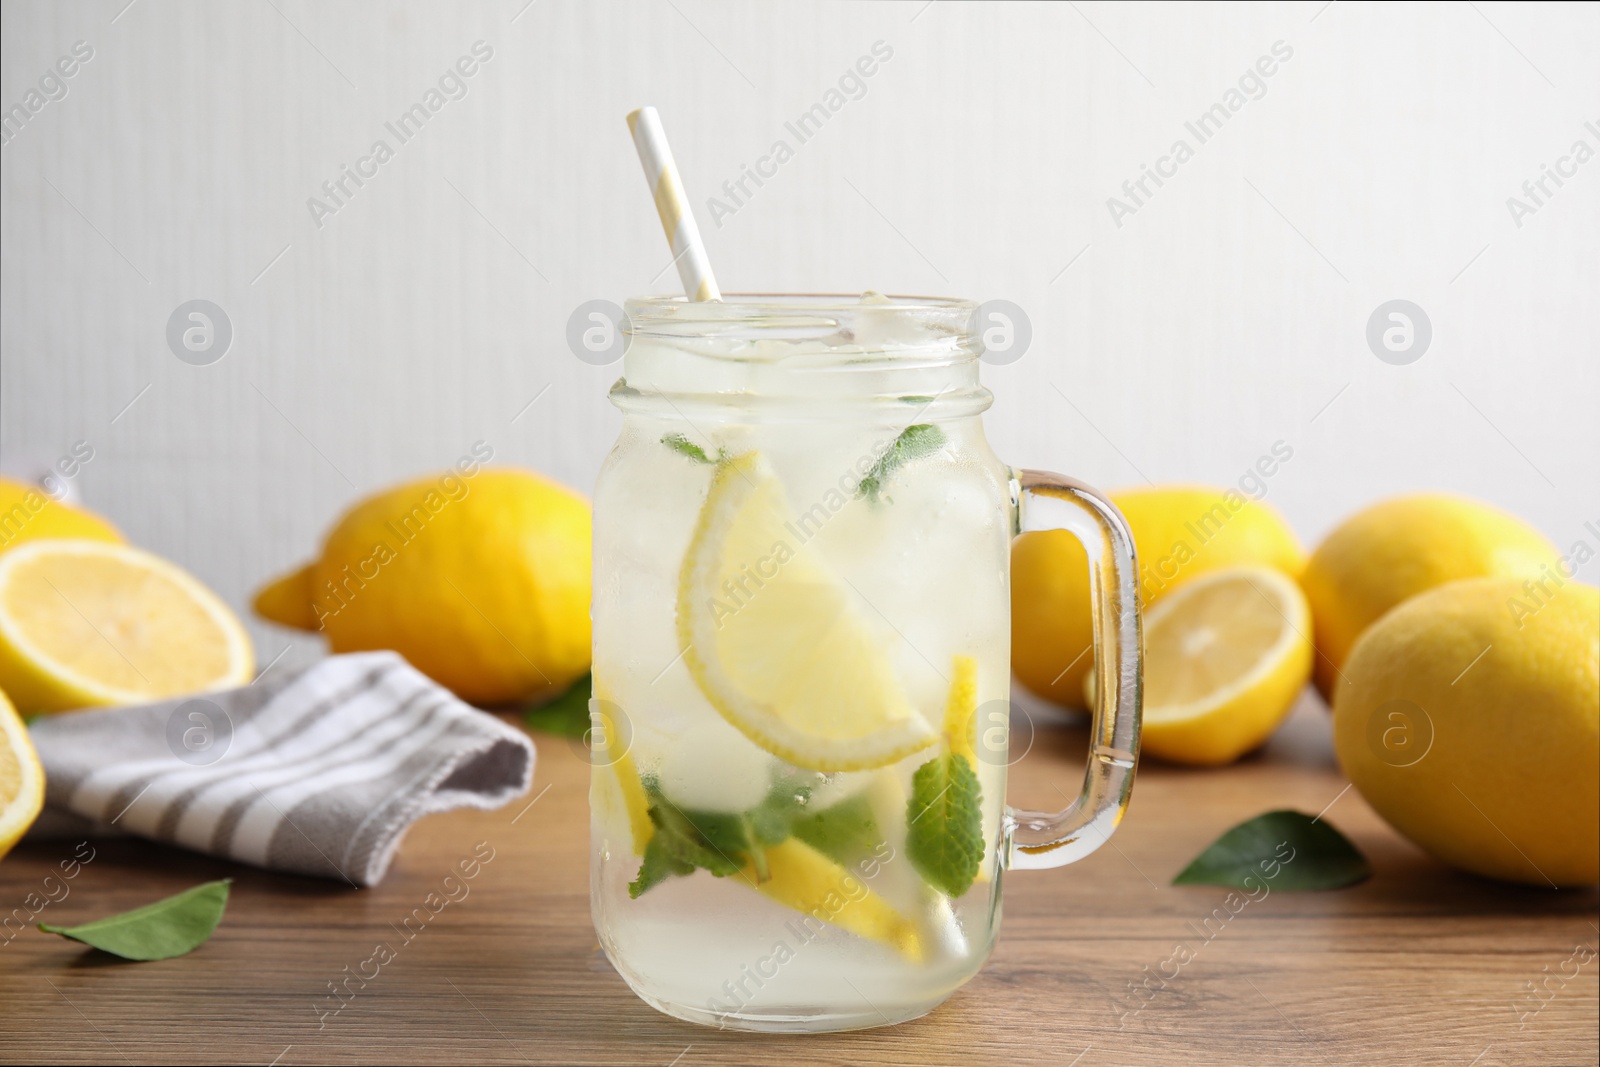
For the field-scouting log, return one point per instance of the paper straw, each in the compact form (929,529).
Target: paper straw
(676,218)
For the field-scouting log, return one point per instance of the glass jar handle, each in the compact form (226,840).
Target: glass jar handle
(1052,839)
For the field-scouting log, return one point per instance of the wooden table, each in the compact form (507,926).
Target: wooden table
(1418,965)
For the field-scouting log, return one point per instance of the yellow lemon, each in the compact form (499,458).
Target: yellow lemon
(1179,533)
(26,513)
(961,710)
(480,581)
(804,879)
(1398,548)
(625,790)
(93,623)
(21,778)
(794,665)
(1225,657)
(1473,727)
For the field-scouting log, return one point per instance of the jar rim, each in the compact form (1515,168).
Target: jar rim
(780,351)
(734,307)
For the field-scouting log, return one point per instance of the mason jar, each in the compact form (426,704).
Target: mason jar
(802,662)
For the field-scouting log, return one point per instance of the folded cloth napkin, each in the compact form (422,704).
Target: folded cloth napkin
(317,773)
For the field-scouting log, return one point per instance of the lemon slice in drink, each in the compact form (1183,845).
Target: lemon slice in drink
(611,747)
(90,623)
(775,640)
(1225,657)
(809,882)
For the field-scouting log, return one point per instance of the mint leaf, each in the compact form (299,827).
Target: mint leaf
(844,832)
(723,843)
(567,715)
(681,444)
(660,863)
(685,842)
(914,442)
(1282,849)
(944,823)
(171,927)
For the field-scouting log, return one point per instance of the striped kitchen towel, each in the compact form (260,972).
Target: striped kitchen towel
(318,773)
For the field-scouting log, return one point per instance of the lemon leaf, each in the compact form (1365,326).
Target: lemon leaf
(944,823)
(567,715)
(171,927)
(1281,850)
(914,442)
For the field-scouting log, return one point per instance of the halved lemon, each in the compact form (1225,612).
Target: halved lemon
(21,778)
(776,641)
(92,624)
(1225,656)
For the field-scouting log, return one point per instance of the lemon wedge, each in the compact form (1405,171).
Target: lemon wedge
(1225,656)
(92,623)
(21,778)
(775,640)
(961,710)
(804,879)
(611,747)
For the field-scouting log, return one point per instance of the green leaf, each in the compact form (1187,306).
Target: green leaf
(914,442)
(681,444)
(658,865)
(721,842)
(1281,849)
(171,927)
(728,834)
(685,842)
(944,823)
(567,715)
(844,832)
(773,819)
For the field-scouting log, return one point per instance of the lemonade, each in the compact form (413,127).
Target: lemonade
(801,663)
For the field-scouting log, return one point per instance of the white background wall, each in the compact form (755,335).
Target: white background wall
(1228,313)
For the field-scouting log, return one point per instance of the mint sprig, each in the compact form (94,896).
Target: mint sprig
(683,843)
(681,444)
(914,442)
(844,832)
(724,843)
(944,823)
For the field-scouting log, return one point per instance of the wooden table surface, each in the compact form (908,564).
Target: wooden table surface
(1418,965)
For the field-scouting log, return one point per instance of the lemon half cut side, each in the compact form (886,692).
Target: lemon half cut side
(1226,656)
(95,624)
(21,778)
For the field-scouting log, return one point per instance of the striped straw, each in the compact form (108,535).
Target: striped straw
(676,218)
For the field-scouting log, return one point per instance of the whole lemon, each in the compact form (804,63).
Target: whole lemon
(1179,533)
(481,581)
(1470,720)
(27,513)
(1398,548)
